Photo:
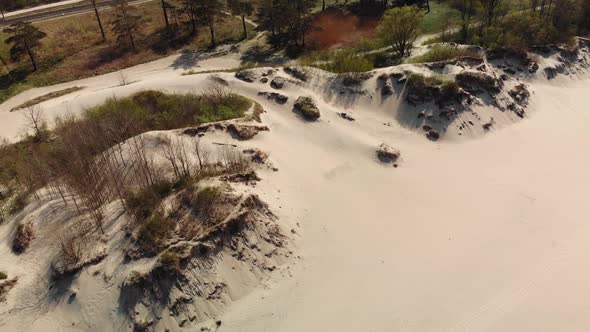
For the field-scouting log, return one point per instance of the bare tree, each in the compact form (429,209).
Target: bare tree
(203,155)
(232,159)
(176,154)
(123,78)
(35,119)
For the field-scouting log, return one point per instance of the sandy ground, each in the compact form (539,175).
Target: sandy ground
(485,234)
(488,235)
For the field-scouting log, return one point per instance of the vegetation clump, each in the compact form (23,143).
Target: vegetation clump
(387,154)
(297,72)
(23,236)
(307,108)
(48,96)
(423,89)
(247,75)
(443,53)
(5,287)
(473,81)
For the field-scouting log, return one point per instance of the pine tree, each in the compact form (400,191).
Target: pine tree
(208,10)
(241,8)
(25,38)
(125,23)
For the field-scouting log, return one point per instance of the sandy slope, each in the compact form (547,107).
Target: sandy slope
(487,234)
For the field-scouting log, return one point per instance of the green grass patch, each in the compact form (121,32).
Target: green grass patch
(442,53)
(433,21)
(156,110)
(340,61)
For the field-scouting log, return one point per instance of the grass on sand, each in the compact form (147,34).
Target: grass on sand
(48,96)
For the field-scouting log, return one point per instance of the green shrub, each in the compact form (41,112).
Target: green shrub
(204,201)
(156,110)
(142,204)
(340,61)
(3,275)
(229,107)
(170,261)
(419,81)
(442,53)
(348,61)
(154,231)
(450,90)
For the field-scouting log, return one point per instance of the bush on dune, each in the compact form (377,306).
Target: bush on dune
(340,61)
(442,53)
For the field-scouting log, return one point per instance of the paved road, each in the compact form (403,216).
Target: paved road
(83,7)
(21,12)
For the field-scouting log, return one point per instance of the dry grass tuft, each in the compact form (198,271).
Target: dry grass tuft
(48,96)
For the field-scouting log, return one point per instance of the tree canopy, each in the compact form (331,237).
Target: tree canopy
(24,38)
(399,28)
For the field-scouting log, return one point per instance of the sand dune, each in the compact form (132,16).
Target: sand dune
(483,232)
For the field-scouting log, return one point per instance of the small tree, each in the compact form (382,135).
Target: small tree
(490,10)
(190,7)
(209,10)
(25,38)
(241,8)
(35,119)
(445,26)
(399,28)
(125,23)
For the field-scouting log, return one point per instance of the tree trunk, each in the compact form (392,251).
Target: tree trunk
(130,33)
(212,30)
(165,13)
(31,56)
(323,5)
(194,24)
(132,41)
(104,37)
(244,25)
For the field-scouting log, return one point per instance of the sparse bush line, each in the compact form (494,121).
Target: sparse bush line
(48,96)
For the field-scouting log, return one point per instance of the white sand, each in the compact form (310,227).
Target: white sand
(486,234)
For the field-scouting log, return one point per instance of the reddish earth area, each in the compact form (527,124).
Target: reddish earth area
(335,28)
